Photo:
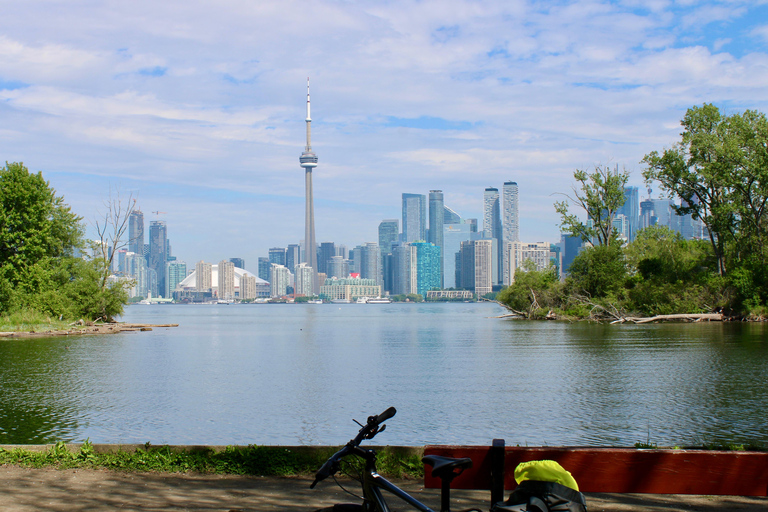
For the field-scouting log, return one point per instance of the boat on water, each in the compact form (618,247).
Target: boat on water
(341,301)
(379,300)
(315,301)
(362,300)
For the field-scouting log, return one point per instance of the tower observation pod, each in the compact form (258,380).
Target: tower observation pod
(308,160)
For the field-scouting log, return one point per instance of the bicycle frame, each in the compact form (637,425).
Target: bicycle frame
(373,483)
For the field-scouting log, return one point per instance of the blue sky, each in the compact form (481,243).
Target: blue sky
(198,107)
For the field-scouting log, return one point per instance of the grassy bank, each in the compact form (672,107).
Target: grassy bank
(235,460)
(29,320)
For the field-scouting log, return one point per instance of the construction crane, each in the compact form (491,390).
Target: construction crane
(158,213)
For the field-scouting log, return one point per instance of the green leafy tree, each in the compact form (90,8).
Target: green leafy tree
(39,237)
(534,292)
(600,194)
(599,271)
(719,170)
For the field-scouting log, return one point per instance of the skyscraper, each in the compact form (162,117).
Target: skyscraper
(436,220)
(136,232)
(511,226)
(292,256)
(327,251)
(308,161)
(492,226)
(511,212)
(631,210)
(226,281)
(239,262)
(158,236)
(277,255)
(414,217)
(388,231)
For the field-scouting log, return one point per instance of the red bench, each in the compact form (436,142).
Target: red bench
(619,470)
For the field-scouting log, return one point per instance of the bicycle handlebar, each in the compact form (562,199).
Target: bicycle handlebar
(368,431)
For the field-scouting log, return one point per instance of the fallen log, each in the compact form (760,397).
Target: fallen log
(693,317)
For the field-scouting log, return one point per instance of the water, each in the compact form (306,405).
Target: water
(298,374)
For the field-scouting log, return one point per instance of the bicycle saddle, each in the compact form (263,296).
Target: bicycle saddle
(444,466)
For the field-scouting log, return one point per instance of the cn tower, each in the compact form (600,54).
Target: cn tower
(308,161)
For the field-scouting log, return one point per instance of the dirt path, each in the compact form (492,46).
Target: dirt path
(27,490)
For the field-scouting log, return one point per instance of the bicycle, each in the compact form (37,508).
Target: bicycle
(445,468)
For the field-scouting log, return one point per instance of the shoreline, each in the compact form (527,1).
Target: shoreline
(79,330)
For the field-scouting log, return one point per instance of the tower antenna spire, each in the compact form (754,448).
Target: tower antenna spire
(309,122)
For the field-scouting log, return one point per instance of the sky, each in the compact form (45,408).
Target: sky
(196,108)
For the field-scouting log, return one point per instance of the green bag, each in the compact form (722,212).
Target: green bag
(543,486)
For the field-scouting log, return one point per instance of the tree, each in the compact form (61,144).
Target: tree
(39,238)
(600,194)
(111,231)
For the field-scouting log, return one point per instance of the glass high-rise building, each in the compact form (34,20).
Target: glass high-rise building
(277,255)
(292,256)
(175,271)
(450,216)
(264,267)
(492,226)
(511,221)
(388,234)
(427,267)
(239,262)
(436,220)
(327,251)
(158,237)
(414,217)
(631,210)
(136,232)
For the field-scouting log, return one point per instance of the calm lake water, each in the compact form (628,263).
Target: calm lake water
(299,374)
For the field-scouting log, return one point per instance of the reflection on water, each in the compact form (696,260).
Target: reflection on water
(298,374)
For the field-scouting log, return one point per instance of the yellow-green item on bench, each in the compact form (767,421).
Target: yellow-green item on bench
(545,471)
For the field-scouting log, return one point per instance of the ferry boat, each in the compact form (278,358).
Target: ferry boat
(341,301)
(379,300)
(315,301)
(362,300)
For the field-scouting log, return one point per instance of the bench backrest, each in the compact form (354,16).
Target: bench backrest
(620,470)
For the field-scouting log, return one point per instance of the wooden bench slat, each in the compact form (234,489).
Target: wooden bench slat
(624,470)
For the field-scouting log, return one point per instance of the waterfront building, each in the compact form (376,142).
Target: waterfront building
(188,290)
(492,227)
(136,232)
(175,271)
(404,278)
(226,280)
(136,268)
(339,267)
(414,217)
(631,211)
(472,224)
(436,217)
(277,255)
(427,267)
(450,216)
(484,271)
(264,266)
(247,287)
(204,273)
(304,280)
(349,288)
(510,222)
(465,265)
(327,251)
(292,255)
(238,262)
(279,279)
(369,261)
(569,248)
(158,256)
(308,162)
(450,295)
(453,235)
(540,253)
(389,230)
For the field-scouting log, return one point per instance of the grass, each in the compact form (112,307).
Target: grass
(234,460)
(29,320)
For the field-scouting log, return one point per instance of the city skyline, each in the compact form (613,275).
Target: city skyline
(198,110)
